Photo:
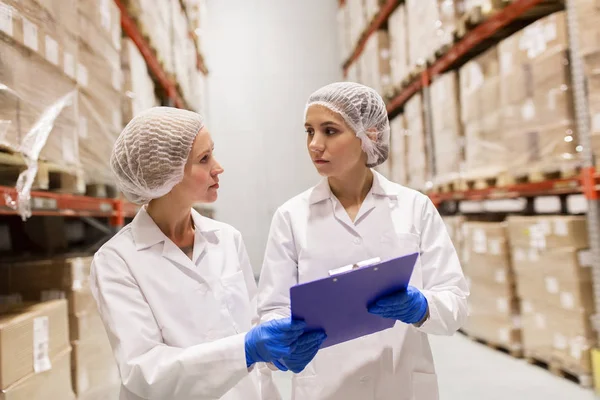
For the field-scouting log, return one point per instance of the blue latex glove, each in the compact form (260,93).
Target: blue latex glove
(307,348)
(409,306)
(272,340)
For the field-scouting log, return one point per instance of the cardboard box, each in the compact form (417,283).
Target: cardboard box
(495,331)
(376,58)
(104,17)
(85,326)
(486,256)
(54,383)
(496,300)
(545,232)
(94,366)
(417,163)
(573,337)
(58,273)
(545,36)
(397,27)
(447,129)
(398,144)
(455,227)
(536,333)
(31,336)
(588,12)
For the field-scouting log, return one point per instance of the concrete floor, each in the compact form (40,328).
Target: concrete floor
(470,371)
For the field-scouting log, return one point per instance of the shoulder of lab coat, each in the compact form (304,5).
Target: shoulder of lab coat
(149,368)
(444,284)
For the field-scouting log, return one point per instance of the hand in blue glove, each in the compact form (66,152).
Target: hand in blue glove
(272,340)
(307,348)
(409,306)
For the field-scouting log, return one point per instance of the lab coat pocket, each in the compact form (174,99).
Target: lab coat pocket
(425,386)
(238,302)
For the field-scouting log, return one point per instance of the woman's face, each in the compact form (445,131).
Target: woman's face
(201,174)
(333,147)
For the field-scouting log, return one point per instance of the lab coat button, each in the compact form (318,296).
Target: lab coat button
(365,379)
(357,241)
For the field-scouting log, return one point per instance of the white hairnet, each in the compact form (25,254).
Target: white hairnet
(149,156)
(365,113)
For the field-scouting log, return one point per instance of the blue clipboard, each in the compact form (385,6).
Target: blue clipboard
(338,304)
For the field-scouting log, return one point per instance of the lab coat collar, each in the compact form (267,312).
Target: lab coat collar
(146,233)
(381,186)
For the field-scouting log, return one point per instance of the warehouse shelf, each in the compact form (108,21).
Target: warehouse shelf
(169,86)
(377,23)
(69,205)
(498,26)
(588,183)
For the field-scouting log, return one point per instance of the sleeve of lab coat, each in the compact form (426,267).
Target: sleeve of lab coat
(268,390)
(279,272)
(444,284)
(149,368)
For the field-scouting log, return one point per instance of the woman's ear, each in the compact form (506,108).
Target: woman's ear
(372,134)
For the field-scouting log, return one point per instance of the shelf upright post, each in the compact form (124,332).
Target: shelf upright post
(583,130)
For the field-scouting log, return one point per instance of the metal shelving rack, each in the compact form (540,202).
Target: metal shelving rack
(500,25)
(115,210)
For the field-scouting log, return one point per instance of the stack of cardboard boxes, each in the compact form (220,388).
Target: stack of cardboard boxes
(100,81)
(418,171)
(447,128)
(375,63)
(485,150)
(38,57)
(493,303)
(398,150)
(554,281)
(94,371)
(399,61)
(35,355)
(139,91)
(538,123)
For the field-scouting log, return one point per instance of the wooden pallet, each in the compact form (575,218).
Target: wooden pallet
(584,379)
(477,15)
(501,179)
(50,176)
(542,174)
(450,186)
(512,350)
(101,190)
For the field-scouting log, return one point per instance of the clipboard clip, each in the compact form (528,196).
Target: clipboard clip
(351,267)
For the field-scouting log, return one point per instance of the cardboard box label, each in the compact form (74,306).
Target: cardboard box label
(502,304)
(69,151)
(82,75)
(51,50)
(500,276)
(30,35)
(116,79)
(48,295)
(6,19)
(585,258)
(78,273)
(479,241)
(560,228)
(527,307)
(69,66)
(596,122)
(105,14)
(528,110)
(504,335)
(41,340)
(11,299)
(540,321)
(83,127)
(533,255)
(520,255)
(537,237)
(494,246)
(567,300)
(552,285)
(560,342)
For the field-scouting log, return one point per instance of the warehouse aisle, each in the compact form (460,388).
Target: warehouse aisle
(469,371)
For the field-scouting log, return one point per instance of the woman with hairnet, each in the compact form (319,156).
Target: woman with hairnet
(175,290)
(356,214)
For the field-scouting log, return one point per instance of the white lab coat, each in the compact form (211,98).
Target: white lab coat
(177,326)
(312,233)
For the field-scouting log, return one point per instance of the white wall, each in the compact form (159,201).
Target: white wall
(265,58)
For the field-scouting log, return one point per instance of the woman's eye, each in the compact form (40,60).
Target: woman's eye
(310,132)
(204,159)
(330,131)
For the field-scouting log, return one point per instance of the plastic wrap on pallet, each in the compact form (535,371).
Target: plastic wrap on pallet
(399,62)
(154,21)
(447,128)
(358,20)
(485,150)
(493,303)
(417,166)
(536,97)
(431,25)
(375,61)
(552,265)
(137,83)
(398,152)
(38,121)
